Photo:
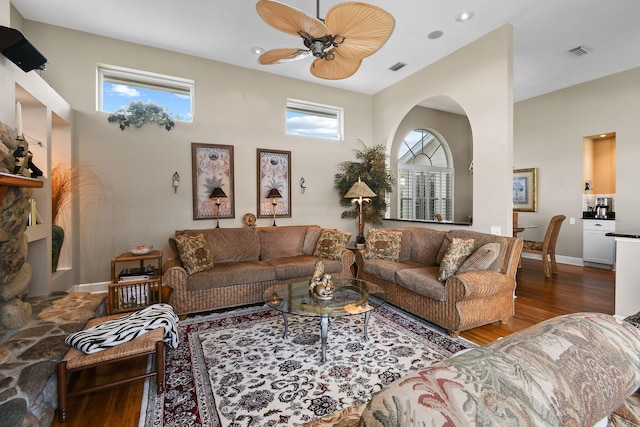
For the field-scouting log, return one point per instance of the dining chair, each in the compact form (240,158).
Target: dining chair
(546,248)
(438,217)
(516,229)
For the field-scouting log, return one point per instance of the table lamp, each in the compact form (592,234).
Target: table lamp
(274,194)
(217,194)
(360,193)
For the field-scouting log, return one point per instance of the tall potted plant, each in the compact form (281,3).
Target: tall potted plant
(371,167)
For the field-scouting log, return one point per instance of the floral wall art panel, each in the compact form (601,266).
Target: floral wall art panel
(212,166)
(274,171)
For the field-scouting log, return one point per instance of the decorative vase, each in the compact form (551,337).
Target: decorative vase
(57,238)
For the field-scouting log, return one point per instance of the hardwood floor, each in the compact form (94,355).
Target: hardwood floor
(574,289)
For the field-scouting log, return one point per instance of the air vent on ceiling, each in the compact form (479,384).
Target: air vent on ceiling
(397,66)
(579,51)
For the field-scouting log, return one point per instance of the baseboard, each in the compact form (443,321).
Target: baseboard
(92,288)
(560,259)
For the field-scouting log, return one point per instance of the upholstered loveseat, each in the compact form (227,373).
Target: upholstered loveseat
(228,267)
(407,264)
(572,370)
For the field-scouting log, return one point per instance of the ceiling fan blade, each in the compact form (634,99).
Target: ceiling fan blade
(365,27)
(289,19)
(279,56)
(339,68)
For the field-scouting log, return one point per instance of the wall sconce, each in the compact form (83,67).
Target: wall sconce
(274,195)
(218,194)
(302,185)
(176,181)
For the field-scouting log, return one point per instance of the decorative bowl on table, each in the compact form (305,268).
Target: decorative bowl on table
(141,249)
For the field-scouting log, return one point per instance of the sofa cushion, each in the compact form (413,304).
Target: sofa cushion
(281,242)
(331,244)
(193,253)
(423,281)
(425,244)
(231,273)
(301,266)
(230,244)
(457,252)
(383,244)
(481,258)
(385,269)
(311,239)
(500,263)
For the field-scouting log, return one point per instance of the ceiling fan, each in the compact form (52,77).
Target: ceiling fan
(350,32)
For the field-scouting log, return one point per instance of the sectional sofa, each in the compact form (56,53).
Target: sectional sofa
(227,267)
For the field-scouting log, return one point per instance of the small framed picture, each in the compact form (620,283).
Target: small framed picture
(274,174)
(525,190)
(212,169)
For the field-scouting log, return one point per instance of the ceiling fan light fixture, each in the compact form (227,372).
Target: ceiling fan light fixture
(257,50)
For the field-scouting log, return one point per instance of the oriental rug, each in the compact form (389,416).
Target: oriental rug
(235,369)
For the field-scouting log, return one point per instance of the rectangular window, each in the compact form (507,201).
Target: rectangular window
(317,120)
(117,87)
(425,192)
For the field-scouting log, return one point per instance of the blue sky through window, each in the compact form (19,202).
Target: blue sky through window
(117,96)
(311,125)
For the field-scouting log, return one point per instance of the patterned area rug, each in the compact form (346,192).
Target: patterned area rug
(235,369)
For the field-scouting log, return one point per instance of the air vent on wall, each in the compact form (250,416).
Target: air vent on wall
(397,66)
(18,50)
(579,51)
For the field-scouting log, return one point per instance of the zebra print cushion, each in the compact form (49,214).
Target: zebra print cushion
(126,328)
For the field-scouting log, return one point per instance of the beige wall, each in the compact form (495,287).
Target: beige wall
(548,134)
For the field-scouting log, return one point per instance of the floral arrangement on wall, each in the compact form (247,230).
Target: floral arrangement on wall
(139,113)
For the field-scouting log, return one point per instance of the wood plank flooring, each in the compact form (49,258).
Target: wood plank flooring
(574,289)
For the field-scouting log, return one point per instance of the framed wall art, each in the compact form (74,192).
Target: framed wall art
(274,172)
(525,190)
(212,167)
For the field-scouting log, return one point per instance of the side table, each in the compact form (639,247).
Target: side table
(139,286)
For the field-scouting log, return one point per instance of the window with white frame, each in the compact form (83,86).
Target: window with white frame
(317,120)
(425,177)
(117,87)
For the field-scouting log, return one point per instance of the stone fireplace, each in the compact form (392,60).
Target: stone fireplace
(15,271)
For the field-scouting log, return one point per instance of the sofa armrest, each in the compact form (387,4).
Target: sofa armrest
(174,275)
(480,284)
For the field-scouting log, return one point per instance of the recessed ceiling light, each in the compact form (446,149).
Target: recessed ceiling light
(257,50)
(464,16)
(435,34)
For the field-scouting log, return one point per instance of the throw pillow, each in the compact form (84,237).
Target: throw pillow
(383,244)
(194,253)
(481,259)
(332,244)
(456,254)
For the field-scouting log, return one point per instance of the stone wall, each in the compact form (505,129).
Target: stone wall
(15,272)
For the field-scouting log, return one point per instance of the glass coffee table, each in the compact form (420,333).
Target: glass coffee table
(351,297)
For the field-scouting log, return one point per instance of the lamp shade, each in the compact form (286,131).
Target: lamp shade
(217,193)
(359,189)
(274,194)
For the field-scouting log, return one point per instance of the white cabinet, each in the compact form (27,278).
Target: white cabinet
(596,246)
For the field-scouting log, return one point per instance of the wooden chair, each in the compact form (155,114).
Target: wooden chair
(516,229)
(546,248)
(145,345)
(439,217)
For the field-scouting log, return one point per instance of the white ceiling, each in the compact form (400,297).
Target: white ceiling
(226,30)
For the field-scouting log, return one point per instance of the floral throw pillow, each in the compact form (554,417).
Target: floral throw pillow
(383,244)
(332,244)
(481,259)
(194,252)
(456,254)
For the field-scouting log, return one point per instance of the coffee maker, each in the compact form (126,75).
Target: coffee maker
(604,205)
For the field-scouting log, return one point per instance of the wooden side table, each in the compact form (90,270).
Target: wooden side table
(142,288)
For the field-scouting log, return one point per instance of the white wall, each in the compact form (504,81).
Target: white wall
(548,134)
(234,106)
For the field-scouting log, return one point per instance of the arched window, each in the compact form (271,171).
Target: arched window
(426,177)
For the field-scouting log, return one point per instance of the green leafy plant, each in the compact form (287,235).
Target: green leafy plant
(139,113)
(371,168)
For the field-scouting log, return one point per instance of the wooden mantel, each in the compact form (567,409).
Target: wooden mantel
(9,180)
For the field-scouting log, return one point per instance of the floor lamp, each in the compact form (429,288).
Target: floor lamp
(360,193)
(274,194)
(217,194)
